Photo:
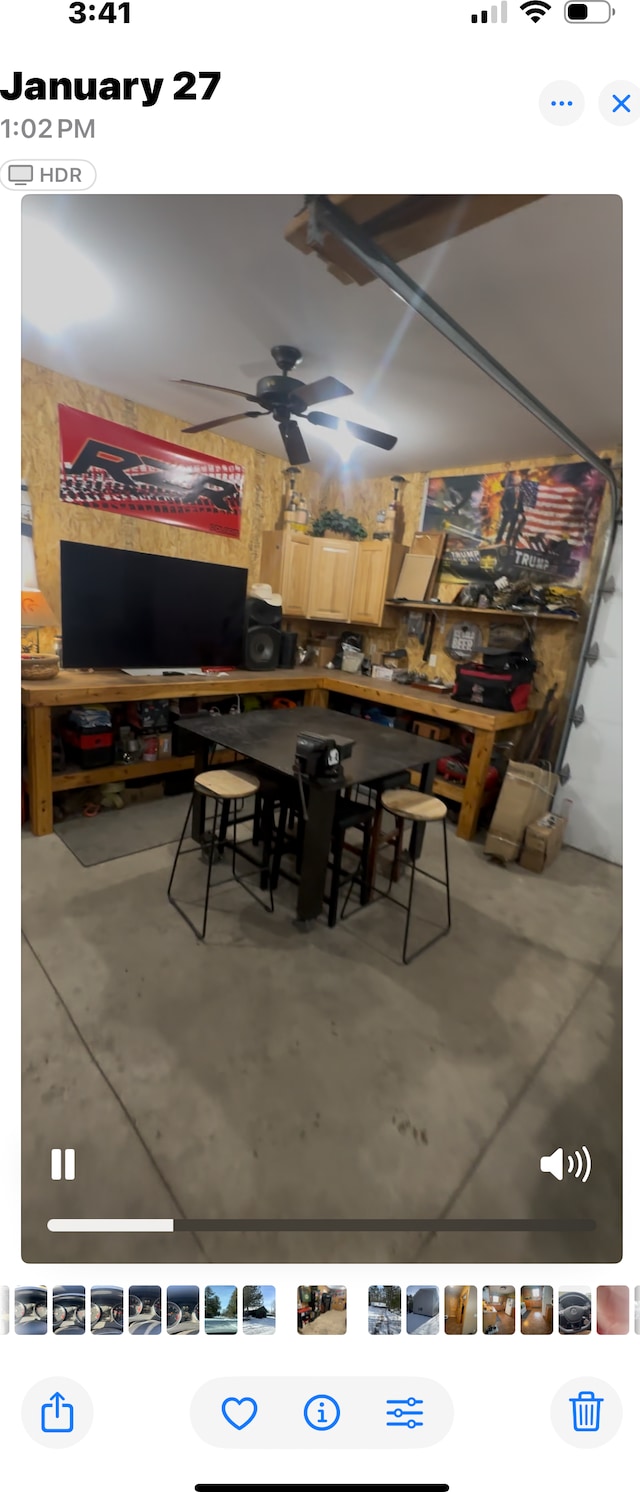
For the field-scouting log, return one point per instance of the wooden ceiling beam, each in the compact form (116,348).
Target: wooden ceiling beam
(401,225)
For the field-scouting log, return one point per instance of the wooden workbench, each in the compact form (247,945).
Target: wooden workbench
(78,688)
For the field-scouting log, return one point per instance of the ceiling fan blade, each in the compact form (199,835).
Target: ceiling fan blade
(323,388)
(247,414)
(372,437)
(218,388)
(318,417)
(294,444)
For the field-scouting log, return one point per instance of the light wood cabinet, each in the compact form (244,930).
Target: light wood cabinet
(332,573)
(331,579)
(286,567)
(378,564)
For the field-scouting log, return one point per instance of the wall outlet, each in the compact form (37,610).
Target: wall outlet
(433,660)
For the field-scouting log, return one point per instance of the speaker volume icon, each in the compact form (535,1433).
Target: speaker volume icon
(578,1164)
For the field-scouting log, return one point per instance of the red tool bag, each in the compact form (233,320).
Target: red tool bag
(502,682)
(454,769)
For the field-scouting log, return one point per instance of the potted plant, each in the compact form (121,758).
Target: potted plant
(331,521)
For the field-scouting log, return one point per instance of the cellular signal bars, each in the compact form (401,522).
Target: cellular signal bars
(484,15)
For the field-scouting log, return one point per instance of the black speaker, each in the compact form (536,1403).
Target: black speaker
(262,634)
(289,643)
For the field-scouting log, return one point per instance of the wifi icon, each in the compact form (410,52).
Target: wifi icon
(536,10)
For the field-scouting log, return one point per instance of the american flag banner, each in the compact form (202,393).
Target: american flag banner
(559,512)
(113,469)
(530,521)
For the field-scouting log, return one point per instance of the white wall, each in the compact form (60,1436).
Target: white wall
(594,749)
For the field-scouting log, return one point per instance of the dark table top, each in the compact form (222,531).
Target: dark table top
(269,737)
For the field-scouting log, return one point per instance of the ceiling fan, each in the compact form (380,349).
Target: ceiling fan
(283,398)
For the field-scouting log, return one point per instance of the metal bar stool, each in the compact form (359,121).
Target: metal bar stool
(418,809)
(226,789)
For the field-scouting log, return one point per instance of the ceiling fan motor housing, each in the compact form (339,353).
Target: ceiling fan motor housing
(286,357)
(277,392)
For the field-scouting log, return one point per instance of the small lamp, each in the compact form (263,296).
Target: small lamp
(395,517)
(295,513)
(35,611)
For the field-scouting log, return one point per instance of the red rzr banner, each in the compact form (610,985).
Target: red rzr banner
(112,469)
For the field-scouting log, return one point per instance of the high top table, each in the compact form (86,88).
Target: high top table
(73,687)
(268,738)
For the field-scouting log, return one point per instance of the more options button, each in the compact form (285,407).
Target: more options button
(330,1414)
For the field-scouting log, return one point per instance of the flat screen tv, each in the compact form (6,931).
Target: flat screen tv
(123,609)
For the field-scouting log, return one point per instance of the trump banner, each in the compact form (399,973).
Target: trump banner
(535,523)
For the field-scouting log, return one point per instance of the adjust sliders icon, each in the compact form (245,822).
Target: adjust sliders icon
(578,1164)
(405,1413)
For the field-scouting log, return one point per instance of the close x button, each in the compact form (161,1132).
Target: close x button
(620,102)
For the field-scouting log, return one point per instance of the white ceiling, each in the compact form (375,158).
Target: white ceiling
(204,286)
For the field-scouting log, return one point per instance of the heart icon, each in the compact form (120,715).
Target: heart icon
(239,1412)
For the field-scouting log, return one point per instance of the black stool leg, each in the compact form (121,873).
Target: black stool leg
(241,880)
(257,819)
(194,795)
(212,846)
(334,893)
(446,871)
(365,888)
(405,958)
(267,824)
(279,844)
(224,825)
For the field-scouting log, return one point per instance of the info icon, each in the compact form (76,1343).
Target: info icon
(561,103)
(322,1412)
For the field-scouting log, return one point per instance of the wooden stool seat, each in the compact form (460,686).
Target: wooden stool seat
(222,784)
(226,789)
(403,803)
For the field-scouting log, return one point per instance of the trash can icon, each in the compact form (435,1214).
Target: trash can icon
(586,1411)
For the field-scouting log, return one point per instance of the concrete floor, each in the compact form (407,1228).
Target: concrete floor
(272,1074)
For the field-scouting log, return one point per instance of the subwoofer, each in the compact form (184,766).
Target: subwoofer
(262,634)
(289,644)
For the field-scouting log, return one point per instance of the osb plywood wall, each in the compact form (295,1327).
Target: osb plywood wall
(53,520)
(557,643)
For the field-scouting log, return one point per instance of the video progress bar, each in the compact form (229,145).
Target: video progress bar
(321,1225)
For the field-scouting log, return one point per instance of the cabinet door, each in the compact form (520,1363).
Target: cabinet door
(370,583)
(296,574)
(332,571)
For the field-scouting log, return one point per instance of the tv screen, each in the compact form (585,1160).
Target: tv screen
(122,609)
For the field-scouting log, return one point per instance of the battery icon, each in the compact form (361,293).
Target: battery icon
(590,11)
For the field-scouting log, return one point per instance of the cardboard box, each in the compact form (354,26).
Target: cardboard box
(326,650)
(526,795)
(149,793)
(433,731)
(414,577)
(542,843)
(378,672)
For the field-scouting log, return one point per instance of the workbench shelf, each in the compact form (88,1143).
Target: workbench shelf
(40,699)
(64,782)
